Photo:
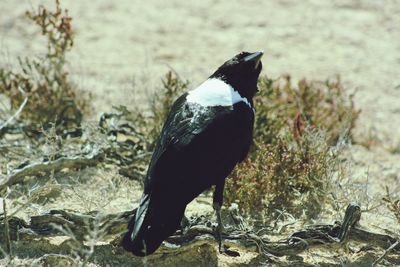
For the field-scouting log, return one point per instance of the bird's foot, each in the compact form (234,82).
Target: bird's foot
(223,249)
(185,225)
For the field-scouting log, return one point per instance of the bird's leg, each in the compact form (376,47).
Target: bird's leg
(220,227)
(217,204)
(185,225)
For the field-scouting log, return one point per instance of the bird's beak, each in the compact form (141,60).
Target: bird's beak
(255,57)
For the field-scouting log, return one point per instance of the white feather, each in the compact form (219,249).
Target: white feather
(215,92)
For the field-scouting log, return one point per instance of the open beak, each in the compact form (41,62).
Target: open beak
(255,57)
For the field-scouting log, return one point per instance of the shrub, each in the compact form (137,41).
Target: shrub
(283,175)
(281,108)
(161,103)
(148,124)
(392,204)
(44,81)
(141,129)
(291,162)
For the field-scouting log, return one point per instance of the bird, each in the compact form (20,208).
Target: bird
(207,132)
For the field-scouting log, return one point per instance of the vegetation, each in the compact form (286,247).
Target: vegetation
(42,86)
(392,204)
(296,132)
(161,102)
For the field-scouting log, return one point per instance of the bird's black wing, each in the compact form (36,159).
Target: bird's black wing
(195,136)
(198,146)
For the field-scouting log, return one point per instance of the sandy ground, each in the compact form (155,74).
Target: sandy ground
(123,48)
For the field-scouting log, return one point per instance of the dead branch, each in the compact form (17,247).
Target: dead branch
(6,228)
(16,114)
(336,234)
(329,235)
(124,147)
(37,168)
(385,253)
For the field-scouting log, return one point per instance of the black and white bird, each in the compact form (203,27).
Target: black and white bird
(207,132)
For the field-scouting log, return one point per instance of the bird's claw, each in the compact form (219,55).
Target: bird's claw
(226,251)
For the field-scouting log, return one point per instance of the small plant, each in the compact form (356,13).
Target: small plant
(393,205)
(83,246)
(291,161)
(281,107)
(44,81)
(148,125)
(162,102)
(141,129)
(283,175)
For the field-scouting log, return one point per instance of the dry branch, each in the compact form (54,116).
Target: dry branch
(313,236)
(16,114)
(6,228)
(124,147)
(377,261)
(37,168)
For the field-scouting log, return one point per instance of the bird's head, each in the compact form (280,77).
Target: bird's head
(241,72)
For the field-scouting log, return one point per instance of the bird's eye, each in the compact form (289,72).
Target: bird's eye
(242,54)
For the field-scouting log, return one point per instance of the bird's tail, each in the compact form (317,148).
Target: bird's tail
(153,223)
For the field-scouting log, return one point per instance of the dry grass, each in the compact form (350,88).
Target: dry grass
(392,204)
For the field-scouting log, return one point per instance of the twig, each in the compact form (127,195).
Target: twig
(16,113)
(351,217)
(6,228)
(37,167)
(373,207)
(333,235)
(385,253)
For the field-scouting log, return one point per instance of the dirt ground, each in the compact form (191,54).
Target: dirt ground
(123,48)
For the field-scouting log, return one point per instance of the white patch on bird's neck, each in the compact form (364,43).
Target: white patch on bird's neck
(215,92)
